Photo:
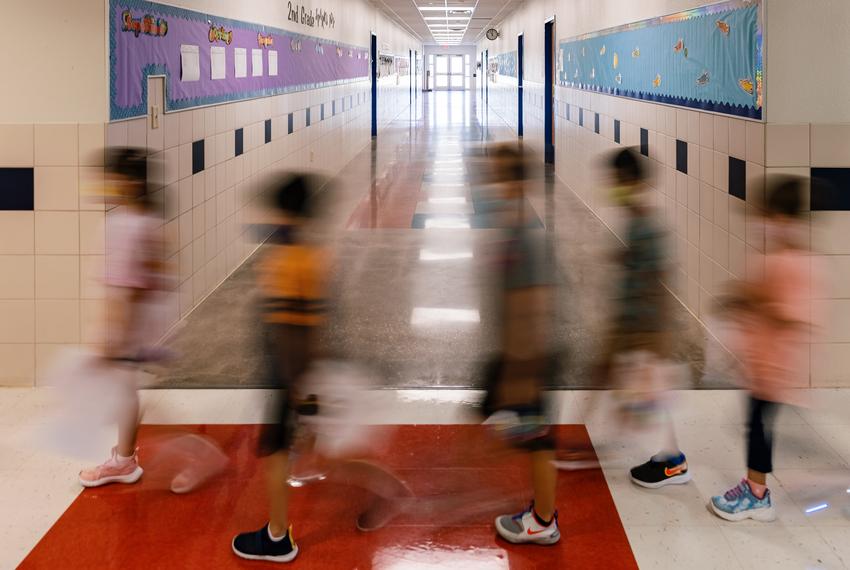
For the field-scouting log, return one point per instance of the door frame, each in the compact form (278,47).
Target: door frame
(520,72)
(374,73)
(549,91)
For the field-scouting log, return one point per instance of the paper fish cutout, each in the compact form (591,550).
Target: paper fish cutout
(616,60)
(602,51)
(746,85)
(593,73)
(657,81)
(723,27)
(703,79)
(680,45)
(636,52)
(619,78)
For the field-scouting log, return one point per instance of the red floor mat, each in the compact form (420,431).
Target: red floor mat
(146,526)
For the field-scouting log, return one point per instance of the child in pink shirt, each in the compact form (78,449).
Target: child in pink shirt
(773,314)
(134,274)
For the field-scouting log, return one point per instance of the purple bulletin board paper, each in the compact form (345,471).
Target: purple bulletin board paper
(150,45)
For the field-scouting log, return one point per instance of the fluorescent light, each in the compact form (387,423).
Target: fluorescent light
(432,316)
(428,255)
(446,223)
(450,200)
(445,9)
(817,508)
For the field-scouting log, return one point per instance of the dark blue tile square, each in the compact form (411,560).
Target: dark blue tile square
(830,189)
(617,131)
(17,189)
(240,142)
(307,115)
(290,124)
(737,178)
(580,117)
(644,142)
(333,108)
(322,117)
(681,156)
(596,123)
(568,111)
(197,156)
(268,131)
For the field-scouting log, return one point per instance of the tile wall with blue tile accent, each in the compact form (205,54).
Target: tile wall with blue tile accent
(708,184)
(204,167)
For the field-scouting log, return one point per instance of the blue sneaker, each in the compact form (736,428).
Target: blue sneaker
(739,503)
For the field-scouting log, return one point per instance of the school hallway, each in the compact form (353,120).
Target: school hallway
(421,284)
(410,304)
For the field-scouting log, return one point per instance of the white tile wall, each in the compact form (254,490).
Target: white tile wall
(830,145)
(52,259)
(17,146)
(718,236)
(787,145)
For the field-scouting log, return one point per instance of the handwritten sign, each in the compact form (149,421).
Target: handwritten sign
(314,18)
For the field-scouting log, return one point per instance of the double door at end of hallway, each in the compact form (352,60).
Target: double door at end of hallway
(451,72)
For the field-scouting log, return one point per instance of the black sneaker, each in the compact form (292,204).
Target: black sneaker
(657,473)
(258,545)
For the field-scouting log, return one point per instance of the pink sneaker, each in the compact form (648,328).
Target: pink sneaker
(113,470)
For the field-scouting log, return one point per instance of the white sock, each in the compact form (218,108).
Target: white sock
(273,537)
(122,459)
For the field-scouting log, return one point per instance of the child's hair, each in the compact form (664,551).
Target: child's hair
(784,196)
(296,193)
(131,163)
(627,166)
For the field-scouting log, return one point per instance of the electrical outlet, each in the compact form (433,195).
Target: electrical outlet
(154,117)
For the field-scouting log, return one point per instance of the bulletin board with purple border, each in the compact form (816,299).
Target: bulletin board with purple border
(151,39)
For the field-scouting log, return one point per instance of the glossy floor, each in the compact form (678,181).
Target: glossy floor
(669,528)
(410,248)
(459,494)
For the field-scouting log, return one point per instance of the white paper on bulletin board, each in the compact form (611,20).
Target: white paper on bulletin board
(190,63)
(272,63)
(218,61)
(257,62)
(240,62)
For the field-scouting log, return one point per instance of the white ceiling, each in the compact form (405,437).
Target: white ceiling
(472,18)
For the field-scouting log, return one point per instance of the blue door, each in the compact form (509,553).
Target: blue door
(374,85)
(549,90)
(520,53)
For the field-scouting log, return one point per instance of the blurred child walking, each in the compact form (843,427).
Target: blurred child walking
(134,276)
(515,377)
(636,359)
(774,319)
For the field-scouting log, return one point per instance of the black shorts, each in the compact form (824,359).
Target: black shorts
(530,428)
(286,360)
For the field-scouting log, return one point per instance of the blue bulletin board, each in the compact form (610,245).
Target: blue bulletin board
(708,58)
